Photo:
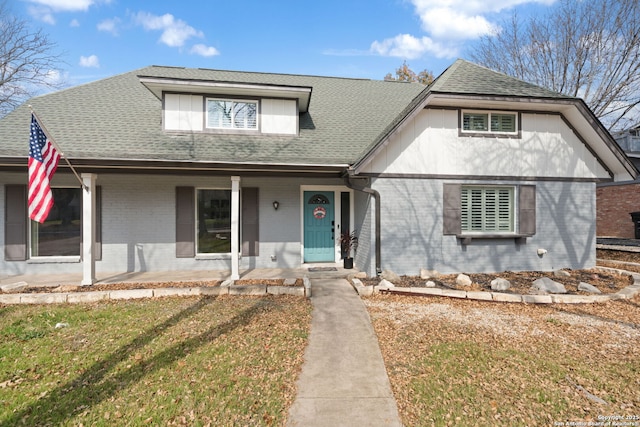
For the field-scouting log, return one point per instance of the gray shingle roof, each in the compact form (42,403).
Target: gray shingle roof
(118,118)
(464,77)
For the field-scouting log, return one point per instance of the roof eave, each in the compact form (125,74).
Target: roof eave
(158,85)
(141,165)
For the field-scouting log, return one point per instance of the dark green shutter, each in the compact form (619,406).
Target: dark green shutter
(185,222)
(451,215)
(527,209)
(15,223)
(98,242)
(250,228)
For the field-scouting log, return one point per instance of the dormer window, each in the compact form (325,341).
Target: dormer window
(232,114)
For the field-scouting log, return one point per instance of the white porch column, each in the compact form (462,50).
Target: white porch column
(88,229)
(235,227)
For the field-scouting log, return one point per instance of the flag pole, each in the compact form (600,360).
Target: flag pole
(57,147)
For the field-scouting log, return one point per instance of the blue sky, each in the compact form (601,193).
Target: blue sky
(359,38)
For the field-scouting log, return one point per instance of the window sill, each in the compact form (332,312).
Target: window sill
(466,239)
(201,257)
(54,260)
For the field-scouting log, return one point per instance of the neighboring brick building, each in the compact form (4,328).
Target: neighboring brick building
(614,203)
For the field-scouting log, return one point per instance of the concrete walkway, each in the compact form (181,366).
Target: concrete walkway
(343,380)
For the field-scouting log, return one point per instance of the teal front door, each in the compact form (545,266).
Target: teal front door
(319,225)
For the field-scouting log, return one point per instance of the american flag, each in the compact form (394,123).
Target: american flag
(43,161)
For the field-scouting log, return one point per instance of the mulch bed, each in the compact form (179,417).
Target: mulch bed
(521,281)
(152,285)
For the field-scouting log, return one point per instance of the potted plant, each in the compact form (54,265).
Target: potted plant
(348,242)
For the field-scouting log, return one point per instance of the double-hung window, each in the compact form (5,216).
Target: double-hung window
(213,221)
(487,209)
(480,211)
(232,114)
(61,233)
(489,122)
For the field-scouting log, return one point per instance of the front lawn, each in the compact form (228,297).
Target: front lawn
(461,362)
(174,361)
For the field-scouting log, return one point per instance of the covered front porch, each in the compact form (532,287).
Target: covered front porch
(329,270)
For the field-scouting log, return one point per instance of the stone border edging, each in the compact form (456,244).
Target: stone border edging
(128,294)
(626,293)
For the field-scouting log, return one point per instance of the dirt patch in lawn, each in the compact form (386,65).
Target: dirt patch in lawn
(154,285)
(462,362)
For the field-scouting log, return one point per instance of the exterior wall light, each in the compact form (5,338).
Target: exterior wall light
(276,204)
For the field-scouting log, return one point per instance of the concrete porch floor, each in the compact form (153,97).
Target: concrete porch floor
(179,275)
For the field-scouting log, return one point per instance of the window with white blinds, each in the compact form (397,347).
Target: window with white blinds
(489,122)
(232,114)
(487,209)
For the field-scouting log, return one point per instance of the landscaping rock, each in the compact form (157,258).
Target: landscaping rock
(463,280)
(547,285)
(500,284)
(587,287)
(429,274)
(385,284)
(14,287)
(360,275)
(66,288)
(430,284)
(390,276)
(561,273)
(290,281)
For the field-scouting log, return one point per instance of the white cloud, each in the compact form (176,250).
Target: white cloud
(109,26)
(462,19)
(74,23)
(41,14)
(410,47)
(91,61)
(54,78)
(203,50)
(43,10)
(447,25)
(68,5)
(175,32)
(65,5)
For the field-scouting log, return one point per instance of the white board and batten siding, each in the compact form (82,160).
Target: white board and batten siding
(279,116)
(430,144)
(184,112)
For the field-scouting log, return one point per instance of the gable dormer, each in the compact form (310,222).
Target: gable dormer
(229,107)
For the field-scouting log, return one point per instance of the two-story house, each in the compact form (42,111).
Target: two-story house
(197,169)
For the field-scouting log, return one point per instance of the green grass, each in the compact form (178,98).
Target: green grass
(177,361)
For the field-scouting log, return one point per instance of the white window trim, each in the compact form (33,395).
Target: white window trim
(232,128)
(514,212)
(207,255)
(489,131)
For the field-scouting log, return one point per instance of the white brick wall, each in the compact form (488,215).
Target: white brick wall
(412,231)
(138,223)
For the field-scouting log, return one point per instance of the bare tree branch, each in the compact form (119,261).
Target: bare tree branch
(588,49)
(27,61)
